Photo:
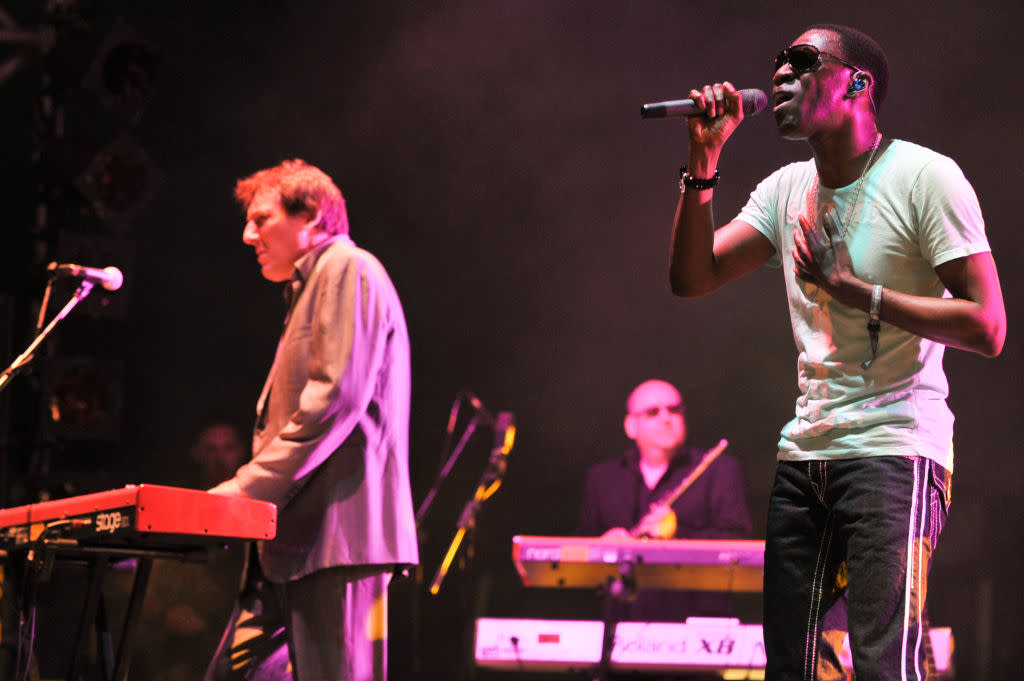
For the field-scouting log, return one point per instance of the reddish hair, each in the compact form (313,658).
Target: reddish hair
(304,189)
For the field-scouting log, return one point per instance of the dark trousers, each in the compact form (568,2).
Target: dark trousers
(328,626)
(849,547)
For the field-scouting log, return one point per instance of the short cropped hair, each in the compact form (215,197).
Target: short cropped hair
(304,189)
(861,49)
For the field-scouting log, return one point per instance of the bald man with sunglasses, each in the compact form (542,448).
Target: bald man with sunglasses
(883,249)
(622,494)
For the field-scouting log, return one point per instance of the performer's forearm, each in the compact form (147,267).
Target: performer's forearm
(974,319)
(691,258)
(956,322)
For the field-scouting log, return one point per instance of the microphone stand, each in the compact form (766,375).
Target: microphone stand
(489,483)
(425,505)
(19,364)
(428,500)
(22,360)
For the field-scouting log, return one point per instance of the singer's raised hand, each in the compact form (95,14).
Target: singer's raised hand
(723,111)
(820,253)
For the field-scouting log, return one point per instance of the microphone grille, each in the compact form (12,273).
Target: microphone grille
(115,278)
(754,101)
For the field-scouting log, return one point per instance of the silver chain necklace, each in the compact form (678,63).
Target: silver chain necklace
(813,194)
(812,209)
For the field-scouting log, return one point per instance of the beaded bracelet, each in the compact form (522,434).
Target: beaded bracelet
(698,183)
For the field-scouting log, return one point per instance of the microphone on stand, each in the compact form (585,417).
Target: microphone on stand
(485,416)
(504,424)
(490,480)
(504,432)
(754,102)
(504,437)
(109,278)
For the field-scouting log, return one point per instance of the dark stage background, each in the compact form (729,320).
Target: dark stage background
(493,157)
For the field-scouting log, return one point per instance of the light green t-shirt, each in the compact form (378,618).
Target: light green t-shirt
(915,211)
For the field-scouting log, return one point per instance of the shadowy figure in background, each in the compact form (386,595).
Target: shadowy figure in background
(187,605)
(218,452)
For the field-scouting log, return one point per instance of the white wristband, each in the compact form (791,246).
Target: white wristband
(876,302)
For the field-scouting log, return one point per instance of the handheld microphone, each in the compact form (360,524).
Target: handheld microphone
(754,102)
(109,278)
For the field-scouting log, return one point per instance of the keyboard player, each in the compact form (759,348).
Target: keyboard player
(621,497)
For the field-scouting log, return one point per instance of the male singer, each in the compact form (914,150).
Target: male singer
(886,262)
(330,446)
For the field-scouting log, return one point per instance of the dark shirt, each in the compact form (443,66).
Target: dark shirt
(714,507)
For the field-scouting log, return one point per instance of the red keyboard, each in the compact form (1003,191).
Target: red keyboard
(140,515)
(141,521)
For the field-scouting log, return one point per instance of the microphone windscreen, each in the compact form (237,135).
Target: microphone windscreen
(754,101)
(114,280)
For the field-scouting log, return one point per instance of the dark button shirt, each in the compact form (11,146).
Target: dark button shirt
(714,507)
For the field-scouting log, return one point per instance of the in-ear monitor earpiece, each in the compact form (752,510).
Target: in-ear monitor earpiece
(858,84)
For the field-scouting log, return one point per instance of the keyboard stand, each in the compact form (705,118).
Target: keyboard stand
(619,588)
(39,562)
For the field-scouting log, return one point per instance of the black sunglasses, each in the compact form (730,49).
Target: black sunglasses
(652,412)
(804,58)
